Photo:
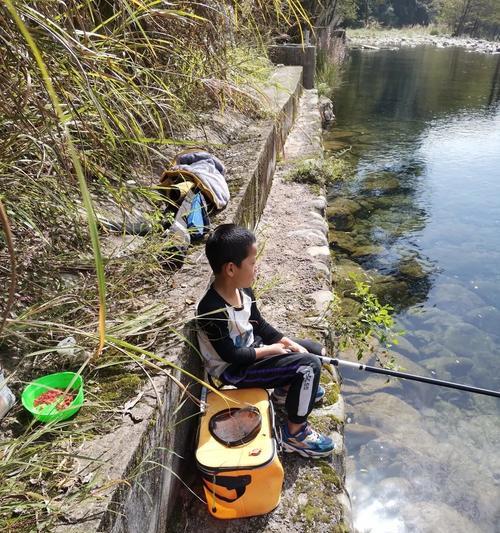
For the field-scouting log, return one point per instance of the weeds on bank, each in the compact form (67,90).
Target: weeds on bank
(328,75)
(356,327)
(376,31)
(97,95)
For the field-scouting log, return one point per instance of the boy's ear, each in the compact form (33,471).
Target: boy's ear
(229,269)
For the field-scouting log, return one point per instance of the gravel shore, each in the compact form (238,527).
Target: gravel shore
(396,41)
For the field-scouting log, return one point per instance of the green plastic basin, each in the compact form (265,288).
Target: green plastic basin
(61,380)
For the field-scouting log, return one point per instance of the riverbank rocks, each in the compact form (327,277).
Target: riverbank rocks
(314,498)
(393,40)
(326,111)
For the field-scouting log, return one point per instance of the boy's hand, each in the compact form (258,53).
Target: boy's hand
(271,349)
(291,345)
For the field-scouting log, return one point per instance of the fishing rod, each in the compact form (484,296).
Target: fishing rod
(404,375)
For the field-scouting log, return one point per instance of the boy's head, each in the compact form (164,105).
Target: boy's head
(231,252)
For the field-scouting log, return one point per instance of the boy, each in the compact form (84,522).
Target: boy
(242,349)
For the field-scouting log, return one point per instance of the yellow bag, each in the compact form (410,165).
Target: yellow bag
(237,454)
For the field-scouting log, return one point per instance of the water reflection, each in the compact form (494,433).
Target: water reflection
(422,218)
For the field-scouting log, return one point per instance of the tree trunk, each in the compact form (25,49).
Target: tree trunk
(461,21)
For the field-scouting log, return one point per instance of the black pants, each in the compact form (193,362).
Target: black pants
(299,370)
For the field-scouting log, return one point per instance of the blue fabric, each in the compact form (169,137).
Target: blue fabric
(197,219)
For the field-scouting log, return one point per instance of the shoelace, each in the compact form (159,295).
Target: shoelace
(311,434)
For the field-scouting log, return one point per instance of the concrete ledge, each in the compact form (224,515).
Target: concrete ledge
(296,54)
(294,295)
(135,484)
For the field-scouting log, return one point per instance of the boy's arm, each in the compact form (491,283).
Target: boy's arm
(215,325)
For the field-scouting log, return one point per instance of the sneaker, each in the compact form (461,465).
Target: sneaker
(279,395)
(307,442)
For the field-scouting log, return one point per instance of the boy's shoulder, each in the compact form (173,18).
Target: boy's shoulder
(209,301)
(212,300)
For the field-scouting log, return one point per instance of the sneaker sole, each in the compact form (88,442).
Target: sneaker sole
(303,452)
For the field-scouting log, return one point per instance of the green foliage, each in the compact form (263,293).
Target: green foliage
(328,74)
(478,18)
(92,104)
(371,320)
(330,13)
(394,12)
(94,94)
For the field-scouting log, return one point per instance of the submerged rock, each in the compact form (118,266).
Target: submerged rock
(430,318)
(448,367)
(412,269)
(406,347)
(389,290)
(350,307)
(345,268)
(341,213)
(359,434)
(486,318)
(455,298)
(384,182)
(393,487)
(435,349)
(380,409)
(439,518)
(326,111)
(466,340)
(342,240)
(366,250)
(335,145)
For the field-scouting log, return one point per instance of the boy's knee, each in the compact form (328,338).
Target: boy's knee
(312,361)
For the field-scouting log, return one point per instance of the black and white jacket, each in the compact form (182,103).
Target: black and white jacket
(228,335)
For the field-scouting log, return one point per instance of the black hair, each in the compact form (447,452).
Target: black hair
(228,243)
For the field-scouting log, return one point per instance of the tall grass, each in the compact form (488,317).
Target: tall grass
(97,95)
(328,75)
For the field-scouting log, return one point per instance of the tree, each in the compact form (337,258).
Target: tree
(330,13)
(473,17)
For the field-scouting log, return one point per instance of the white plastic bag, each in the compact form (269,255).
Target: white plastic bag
(7,398)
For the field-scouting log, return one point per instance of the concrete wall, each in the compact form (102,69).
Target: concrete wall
(296,54)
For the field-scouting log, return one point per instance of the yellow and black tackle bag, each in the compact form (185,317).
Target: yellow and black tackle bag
(237,454)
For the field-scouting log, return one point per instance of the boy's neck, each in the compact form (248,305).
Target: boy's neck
(227,290)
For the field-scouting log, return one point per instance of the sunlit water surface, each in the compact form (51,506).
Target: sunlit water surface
(423,125)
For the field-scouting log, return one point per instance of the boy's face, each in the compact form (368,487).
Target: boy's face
(244,275)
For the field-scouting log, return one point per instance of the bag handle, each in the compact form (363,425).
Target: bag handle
(237,483)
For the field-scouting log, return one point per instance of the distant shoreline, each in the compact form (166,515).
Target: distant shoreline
(396,39)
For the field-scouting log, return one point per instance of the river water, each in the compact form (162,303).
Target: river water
(423,221)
